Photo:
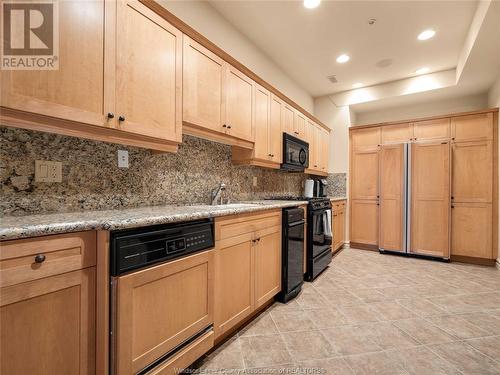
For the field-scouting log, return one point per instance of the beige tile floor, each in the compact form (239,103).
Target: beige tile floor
(376,314)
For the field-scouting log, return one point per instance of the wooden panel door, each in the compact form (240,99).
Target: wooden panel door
(472,171)
(430,199)
(288,124)
(477,127)
(275,132)
(398,133)
(148,80)
(364,174)
(364,139)
(48,325)
(300,125)
(430,130)
(75,91)
(160,307)
(391,197)
(238,104)
(202,78)
(338,228)
(234,281)
(262,123)
(364,222)
(471,230)
(313,147)
(267,265)
(325,146)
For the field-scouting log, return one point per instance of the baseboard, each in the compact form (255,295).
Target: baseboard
(474,260)
(363,246)
(497,264)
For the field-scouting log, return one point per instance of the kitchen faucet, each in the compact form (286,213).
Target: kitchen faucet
(218,193)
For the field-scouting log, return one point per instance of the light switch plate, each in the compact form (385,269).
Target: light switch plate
(122,159)
(48,171)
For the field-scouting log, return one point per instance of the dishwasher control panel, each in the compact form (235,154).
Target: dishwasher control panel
(136,248)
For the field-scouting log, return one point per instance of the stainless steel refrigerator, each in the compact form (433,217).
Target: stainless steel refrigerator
(415,198)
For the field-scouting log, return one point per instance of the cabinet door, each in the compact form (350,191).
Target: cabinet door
(364,222)
(341,228)
(275,132)
(398,133)
(76,90)
(288,124)
(238,104)
(202,86)
(472,171)
(148,80)
(300,125)
(430,130)
(152,315)
(472,127)
(48,325)
(262,123)
(430,203)
(234,282)
(471,230)
(365,139)
(325,143)
(391,197)
(267,265)
(364,172)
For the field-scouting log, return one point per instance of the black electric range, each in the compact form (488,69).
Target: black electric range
(319,234)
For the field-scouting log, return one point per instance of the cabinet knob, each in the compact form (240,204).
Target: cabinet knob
(40,258)
(229,126)
(111,115)
(452,197)
(121,118)
(224,126)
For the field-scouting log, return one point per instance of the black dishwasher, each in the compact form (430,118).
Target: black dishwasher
(292,253)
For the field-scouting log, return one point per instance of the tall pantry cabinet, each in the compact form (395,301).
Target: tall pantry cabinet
(454,180)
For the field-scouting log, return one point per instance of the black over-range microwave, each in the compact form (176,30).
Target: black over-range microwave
(295,154)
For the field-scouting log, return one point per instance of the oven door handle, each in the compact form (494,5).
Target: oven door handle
(295,223)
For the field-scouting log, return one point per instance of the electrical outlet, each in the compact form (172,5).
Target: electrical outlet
(254,181)
(48,171)
(122,159)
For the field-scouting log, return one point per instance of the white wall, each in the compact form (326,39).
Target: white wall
(431,108)
(207,21)
(494,101)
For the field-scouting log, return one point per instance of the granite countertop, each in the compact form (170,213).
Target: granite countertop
(335,199)
(14,227)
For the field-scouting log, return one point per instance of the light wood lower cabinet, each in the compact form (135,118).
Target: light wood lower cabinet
(338,224)
(247,266)
(48,325)
(472,225)
(160,307)
(364,222)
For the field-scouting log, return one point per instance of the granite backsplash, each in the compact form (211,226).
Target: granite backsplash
(337,184)
(92,179)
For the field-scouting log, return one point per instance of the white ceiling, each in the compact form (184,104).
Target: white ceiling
(305,43)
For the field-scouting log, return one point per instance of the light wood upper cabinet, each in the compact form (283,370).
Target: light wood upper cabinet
(148,80)
(203,73)
(76,90)
(398,133)
(300,125)
(238,104)
(267,265)
(325,145)
(363,139)
(288,124)
(275,132)
(262,116)
(391,197)
(430,130)
(472,171)
(48,325)
(151,321)
(430,204)
(364,174)
(472,127)
(471,228)
(364,222)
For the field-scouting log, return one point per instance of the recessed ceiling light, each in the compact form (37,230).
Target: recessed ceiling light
(426,34)
(343,58)
(422,70)
(357,85)
(311,4)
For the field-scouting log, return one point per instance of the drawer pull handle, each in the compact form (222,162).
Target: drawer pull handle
(40,258)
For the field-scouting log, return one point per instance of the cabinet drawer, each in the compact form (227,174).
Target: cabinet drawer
(231,226)
(338,206)
(63,253)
